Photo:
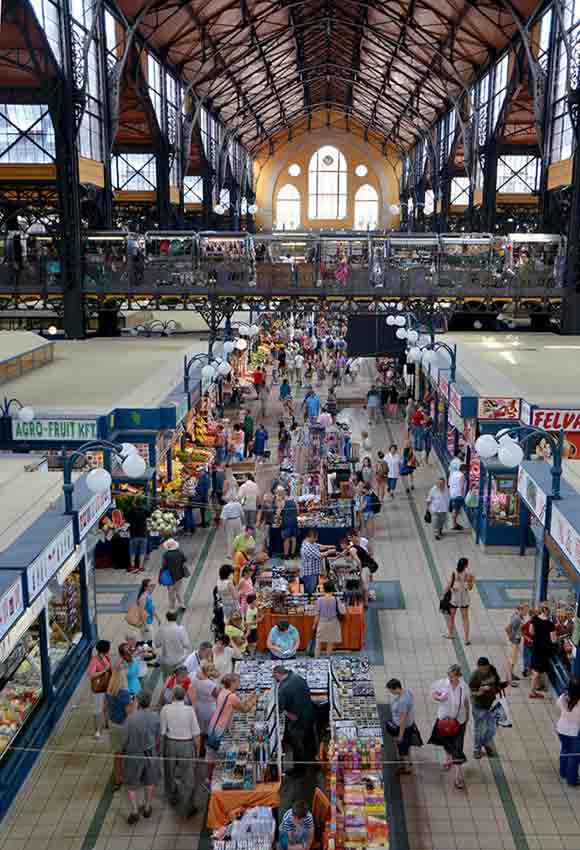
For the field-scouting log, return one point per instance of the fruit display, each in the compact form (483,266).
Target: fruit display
(204,431)
(162,522)
(21,692)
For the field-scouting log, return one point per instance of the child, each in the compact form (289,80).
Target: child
(514,635)
(252,617)
(245,588)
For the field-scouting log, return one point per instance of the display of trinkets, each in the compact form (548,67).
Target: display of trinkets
(354,712)
(257,674)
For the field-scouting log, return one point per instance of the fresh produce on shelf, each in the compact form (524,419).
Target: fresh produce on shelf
(162,522)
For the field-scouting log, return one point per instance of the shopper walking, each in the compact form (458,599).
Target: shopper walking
(206,692)
(460,584)
(172,573)
(373,404)
(438,507)
(381,474)
(402,717)
(248,495)
(568,728)
(137,518)
(150,615)
(544,636)
(452,697)
(328,614)
(180,745)
(203,653)
(99,673)
(287,515)
(514,635)
(393,461)
(248,427)
(484,685)
(367,472)
(173,643)
(119,706)
(408,466)
(232,517)
(227,590)
(457,495)
(139,739)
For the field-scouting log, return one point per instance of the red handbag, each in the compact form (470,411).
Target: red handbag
(448,727)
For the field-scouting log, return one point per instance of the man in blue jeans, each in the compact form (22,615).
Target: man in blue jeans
(137,519)
(312,556)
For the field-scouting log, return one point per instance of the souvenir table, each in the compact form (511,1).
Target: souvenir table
(247,770)
(332,522)
(279,588)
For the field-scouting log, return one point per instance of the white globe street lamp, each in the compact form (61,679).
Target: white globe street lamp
(224,369)
(26,414)
(412,336)
(400,321)
(98,480)
(134,466)
(228,347)
(208,372)
(401,333)
(391,321)
(486,446)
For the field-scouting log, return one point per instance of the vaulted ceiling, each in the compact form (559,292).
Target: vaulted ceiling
(390,65)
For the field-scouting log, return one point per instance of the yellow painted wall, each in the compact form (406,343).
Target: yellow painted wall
(272,174)
(560,174)
(91,172)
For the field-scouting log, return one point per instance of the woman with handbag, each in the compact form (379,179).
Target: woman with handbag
(402,725)
(408,466)
(172,573)
(460,584)
(452,695)
(99,674)
(227,703)
(329,613)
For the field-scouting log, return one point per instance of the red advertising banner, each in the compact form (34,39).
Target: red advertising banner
(498,408)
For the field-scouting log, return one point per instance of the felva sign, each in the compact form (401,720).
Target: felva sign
(73,430)
(552,419)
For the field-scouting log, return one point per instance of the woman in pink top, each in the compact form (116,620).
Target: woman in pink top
(99,673)
(227,703)
(245,588)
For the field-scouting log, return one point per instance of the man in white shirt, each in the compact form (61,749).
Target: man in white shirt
(298,368)
(438,505)
(248,496)
(180,740)
(194,661)
(173,643)
(457,494)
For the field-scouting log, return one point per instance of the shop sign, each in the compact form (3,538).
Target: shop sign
(567,538)
(72,563)
(455,398)
(50,559)
(69,430)
(443,386)
(93,511)
(498,408)
(11,606)
(525,413)
(533,496)
(555,420)
(30,616)
(456,420)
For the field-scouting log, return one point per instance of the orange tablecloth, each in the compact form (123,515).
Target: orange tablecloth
(352,627)
(223,804)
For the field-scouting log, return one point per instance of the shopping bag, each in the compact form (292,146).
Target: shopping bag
(502,712)
(428,517)
(311,647)
(472,499)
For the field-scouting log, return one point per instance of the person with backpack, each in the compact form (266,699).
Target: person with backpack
(382,474)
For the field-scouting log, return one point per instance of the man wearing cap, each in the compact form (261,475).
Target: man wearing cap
(283,640)
(294,699)
(484,685)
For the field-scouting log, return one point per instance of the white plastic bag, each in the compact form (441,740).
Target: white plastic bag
(502,711)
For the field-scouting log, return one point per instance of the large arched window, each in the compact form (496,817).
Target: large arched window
(366,208)
(288,208)
(327,184)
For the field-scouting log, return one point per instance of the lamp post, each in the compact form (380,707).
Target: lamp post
(427,354)
(192,361)
(25,414)
(99,480)
(409,326)
(510,453)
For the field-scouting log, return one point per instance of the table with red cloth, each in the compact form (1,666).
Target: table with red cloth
(224,806)
(352,628)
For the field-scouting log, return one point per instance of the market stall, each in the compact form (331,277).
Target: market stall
(331,521)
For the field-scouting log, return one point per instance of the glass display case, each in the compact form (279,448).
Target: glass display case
(64,618)
(501,494)
(20,686)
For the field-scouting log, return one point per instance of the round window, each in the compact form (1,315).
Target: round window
(361,171)
(328,160)
(294,170)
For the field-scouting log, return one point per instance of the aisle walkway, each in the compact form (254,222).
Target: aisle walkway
(515,801)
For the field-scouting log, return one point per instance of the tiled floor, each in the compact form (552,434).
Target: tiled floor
(516,801)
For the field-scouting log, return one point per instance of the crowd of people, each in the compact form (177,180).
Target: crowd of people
(176,738)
